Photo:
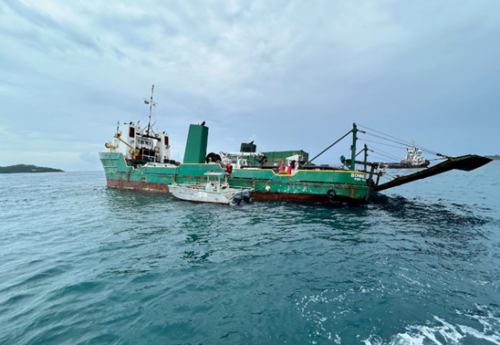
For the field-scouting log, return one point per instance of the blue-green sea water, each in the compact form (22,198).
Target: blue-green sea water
(84,264)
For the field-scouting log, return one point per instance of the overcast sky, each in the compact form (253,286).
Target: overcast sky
(288,74)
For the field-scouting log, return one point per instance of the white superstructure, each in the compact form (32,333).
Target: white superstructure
(142,144)
(238,159)
(413,156)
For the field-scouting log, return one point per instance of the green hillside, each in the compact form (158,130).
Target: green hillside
(26,168)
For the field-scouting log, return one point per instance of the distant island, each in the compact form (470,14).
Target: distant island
(494,157)
(26,168)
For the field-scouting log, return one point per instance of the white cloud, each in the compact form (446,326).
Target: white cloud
(297,74)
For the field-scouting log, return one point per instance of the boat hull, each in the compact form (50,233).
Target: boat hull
(324,186)
(199,195)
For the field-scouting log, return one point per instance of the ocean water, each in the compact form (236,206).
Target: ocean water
(84,264)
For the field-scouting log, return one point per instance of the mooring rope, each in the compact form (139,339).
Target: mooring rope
(267,183)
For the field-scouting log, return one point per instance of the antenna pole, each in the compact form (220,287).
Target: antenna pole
(353,146)
(150,109)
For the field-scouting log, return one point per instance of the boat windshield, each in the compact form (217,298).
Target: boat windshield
(215,175)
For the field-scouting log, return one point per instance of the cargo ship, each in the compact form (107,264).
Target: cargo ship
(139,159)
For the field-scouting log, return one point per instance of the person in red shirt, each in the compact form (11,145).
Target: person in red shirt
(282,168)
(229,169)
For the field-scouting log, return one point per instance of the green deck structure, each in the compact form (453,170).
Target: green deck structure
(304,185)
(307,184)
(196,146)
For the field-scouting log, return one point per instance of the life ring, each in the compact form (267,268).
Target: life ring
(331,193)
(264,161)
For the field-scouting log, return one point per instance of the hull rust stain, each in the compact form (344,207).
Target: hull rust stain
(266,196)
(302,186)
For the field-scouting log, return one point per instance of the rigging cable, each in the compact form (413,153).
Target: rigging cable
(379,157)
(384,155)
(394,141)
(399,141)
(387,153)
(376,150)
(385,134)
(357,154)
(378,142)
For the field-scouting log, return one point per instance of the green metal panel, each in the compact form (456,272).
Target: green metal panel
(248,147)
(285,154)
(196,146)
(350,184)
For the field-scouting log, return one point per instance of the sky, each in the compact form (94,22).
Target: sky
(289,75)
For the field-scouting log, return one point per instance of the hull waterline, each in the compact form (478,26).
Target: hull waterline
(322,186)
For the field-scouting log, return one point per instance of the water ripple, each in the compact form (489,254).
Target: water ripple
(81,263)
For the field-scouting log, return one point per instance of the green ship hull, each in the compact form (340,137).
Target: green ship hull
(139,159)
(302,186)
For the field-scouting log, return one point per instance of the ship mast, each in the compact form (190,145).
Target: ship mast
(151,103)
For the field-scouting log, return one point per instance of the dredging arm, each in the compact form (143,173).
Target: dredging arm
(465,163)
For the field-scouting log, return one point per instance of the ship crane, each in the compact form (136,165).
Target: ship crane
(240,161)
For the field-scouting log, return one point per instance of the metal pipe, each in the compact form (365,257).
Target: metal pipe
(123,141)
(366,157)
(309,162)
(353,146)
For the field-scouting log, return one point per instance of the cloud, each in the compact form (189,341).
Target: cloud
(90,157)
(43,31)
(295,74)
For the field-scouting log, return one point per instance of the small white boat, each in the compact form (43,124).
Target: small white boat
(414,157)
(213,191)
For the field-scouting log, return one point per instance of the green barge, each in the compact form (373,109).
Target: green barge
(144,170)
(139,159)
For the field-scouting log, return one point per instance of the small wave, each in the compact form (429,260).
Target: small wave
(444,333)
(332,310)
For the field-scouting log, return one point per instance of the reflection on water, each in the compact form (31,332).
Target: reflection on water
(414,226)
(103,265)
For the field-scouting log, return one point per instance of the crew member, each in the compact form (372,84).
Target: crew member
(282,168)
(229,170)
